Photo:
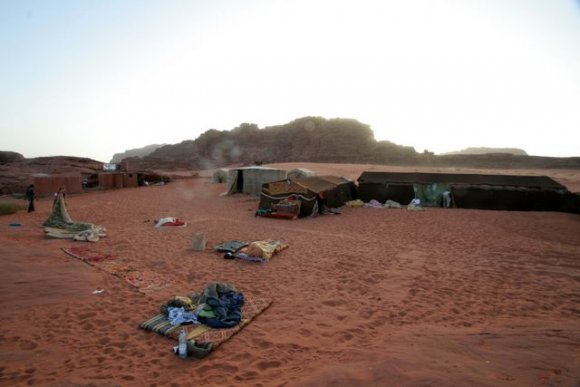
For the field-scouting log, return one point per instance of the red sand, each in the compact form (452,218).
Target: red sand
(368,297)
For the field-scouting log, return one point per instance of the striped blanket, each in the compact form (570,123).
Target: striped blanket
(159,324)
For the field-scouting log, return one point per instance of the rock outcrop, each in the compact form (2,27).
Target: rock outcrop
(136,152)
(316,139)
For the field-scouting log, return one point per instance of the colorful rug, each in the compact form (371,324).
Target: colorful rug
(91,253)
(159,324)
(104,258)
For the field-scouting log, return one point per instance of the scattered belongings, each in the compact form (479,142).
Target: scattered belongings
(415,205)
(258,251)
(209,318)
(198,242)
(98,291)
(392,204)
(14,224)
(373,204)
(355,203)
(103,257)
(261,251)
(231,246)
(376,204)
(330,211)
(168,221)
(60,225)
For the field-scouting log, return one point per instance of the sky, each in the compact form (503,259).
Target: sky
(97,77)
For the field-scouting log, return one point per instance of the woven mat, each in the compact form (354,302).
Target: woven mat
(91,254)
(100,257)
(159,324)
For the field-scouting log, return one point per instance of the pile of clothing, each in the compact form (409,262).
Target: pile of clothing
(218,306)
(169,221)
(257,251)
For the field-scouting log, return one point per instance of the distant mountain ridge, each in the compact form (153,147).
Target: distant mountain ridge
(308,139)
(317,139)
(486,150)
(136,152)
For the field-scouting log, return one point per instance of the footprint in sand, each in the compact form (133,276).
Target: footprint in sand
(28,345)
(264,365)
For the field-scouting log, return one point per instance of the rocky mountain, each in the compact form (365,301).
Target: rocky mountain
(136,152)
(485,150)
(316,139)
(312,139)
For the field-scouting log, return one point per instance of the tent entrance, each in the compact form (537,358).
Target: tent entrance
(240,181)
(431,194)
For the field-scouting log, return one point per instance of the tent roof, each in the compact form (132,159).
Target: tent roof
(255,168)
(543,182)
(319,184)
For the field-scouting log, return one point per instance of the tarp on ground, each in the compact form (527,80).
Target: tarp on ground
(249,180)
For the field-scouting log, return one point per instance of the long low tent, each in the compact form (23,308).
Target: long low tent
(478,191)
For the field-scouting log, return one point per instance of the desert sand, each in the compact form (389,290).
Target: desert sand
(370,297)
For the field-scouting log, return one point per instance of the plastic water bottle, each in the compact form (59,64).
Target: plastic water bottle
(182,346)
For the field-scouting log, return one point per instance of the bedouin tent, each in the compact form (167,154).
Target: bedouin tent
(314,193)
(249,180)
(496,192)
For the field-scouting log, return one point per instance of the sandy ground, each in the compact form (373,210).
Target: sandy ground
(368,297)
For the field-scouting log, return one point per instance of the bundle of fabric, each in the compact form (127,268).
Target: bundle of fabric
(209,318)
(392,204)
(373,204)
(60,225)
(169,221)
(261,251)
(230,246)
(355,203)
(258,251)
(415,205)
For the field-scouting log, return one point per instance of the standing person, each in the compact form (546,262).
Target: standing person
(30,195)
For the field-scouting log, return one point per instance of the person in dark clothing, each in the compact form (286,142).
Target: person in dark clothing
(30,195)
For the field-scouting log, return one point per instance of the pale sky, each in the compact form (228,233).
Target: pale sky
(92,78)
